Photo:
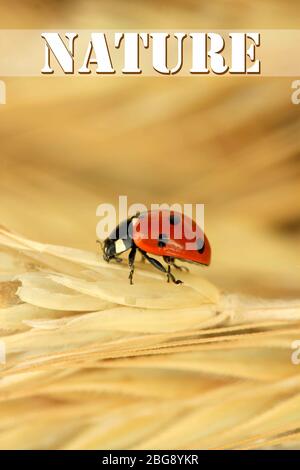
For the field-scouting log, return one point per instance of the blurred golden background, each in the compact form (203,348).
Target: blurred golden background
(91,361)
(68,144)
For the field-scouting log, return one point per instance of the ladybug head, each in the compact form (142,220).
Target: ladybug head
(112,248)
(109,249)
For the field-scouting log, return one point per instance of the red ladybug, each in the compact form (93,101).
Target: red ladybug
(165,233)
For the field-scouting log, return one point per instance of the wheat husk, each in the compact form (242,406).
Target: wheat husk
(94,363)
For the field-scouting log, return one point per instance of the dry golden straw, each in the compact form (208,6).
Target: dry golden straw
(94,363)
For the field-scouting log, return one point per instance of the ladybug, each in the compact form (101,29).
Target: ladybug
(169,234)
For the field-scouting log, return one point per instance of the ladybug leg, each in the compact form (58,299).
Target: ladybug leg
(171,276)
(161,268)
(171,262)
(154,262)
(131,258)
(169,273)
(181,268)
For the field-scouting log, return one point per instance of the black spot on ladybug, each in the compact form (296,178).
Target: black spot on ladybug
(174,219)
(200,246)
(162,240)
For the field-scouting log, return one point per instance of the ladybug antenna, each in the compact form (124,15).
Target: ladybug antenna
(100,243)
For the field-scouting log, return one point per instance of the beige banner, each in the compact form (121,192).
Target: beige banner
(23,52)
